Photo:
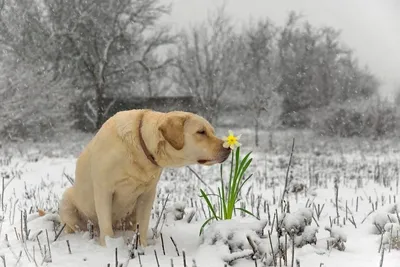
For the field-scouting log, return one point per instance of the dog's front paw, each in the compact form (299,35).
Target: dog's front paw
(143,242)
(102,241)
(151,242)
(111,242)
(68,230)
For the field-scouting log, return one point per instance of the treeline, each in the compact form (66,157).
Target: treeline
(296,75)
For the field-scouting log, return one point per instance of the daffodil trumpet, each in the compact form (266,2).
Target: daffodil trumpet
(231,141)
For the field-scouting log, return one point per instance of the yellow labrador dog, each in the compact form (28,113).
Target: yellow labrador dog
(117,173)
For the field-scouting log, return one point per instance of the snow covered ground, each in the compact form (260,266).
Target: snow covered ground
(367,192)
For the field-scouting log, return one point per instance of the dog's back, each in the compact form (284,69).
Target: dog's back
(104,148)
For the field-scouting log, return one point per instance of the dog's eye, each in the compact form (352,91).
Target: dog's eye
(201,132)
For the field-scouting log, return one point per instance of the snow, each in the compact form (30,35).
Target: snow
(36,181)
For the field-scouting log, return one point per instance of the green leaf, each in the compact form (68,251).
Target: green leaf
(211,195)
(230,176)
(245,164)
(244,168)
(232,171)
(233,182)
(237,160)
(244,161)
(247,212)
(205,223)
(223,207)
(232,195)
(228,196)
(223,198)
(210,206)
(244,182)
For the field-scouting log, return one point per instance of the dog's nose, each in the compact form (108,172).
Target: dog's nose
(226,151)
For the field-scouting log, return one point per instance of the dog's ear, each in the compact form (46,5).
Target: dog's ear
(172,130)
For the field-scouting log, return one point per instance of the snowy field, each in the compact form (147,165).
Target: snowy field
(356,224)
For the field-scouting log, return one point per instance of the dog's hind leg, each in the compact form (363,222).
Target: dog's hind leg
(69,213)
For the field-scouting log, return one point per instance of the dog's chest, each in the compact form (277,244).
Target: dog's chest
(127,192)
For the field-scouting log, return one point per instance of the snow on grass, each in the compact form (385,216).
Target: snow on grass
(368,216)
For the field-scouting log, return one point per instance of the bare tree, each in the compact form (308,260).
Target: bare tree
(32,101)
(22,36)
(156,76)
(260,73)
(206,62)
(316,70)
(107,44)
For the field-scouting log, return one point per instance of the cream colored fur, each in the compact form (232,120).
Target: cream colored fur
(116,183)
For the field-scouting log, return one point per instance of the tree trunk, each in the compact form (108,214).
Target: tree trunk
(100,107)
(270,140)
(209,116)
(256,126)
(210,113)
(149,87)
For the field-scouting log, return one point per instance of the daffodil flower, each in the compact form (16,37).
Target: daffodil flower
(231,141)
(229,193)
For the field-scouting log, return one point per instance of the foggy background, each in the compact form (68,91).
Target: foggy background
(321,69)
(367,26)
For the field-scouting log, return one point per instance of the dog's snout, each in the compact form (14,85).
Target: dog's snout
(224,149)
(224,153)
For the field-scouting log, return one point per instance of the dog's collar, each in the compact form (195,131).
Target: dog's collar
(143,145)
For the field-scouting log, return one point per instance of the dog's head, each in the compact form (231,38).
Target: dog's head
(190,139)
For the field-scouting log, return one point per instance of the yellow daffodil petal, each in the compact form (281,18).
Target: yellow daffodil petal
(226,145)
(231,141)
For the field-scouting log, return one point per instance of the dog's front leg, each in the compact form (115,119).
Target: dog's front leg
(103,204)
(144,205)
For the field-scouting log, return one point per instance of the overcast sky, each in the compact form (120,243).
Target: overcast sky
(370,27)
